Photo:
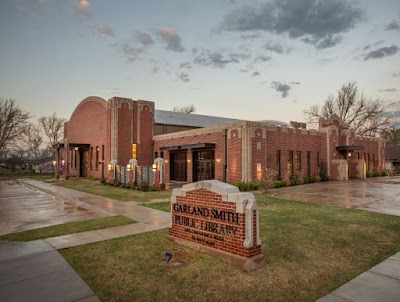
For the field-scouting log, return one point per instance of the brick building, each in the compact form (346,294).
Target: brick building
(102,137)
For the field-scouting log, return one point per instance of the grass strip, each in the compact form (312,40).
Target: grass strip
(163,206)
(68,228)
(95,187)
(309,251)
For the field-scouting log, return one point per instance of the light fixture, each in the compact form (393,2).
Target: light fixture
(167,256)
(128,167)
(166,161)
(349,154)
(76,148)
(218,160)
(188,160)
(109,167)
(63,162)
(54,162)
(154,167)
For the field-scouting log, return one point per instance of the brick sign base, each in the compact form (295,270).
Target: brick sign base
(215,218)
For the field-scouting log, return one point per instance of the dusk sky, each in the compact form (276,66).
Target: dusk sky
(241,59)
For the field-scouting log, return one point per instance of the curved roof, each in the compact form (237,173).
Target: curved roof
(190,119)
(275,123)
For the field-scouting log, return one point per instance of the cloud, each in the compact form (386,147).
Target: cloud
(374,44)
(316,22)
(144,39)
(382,52)
(276,47)
(262,58)
(129,51)
(250,36)
(396,74)
(184,77)
(82,7)
(102,31)
(389,90)
(295,83)
(171,38)
(244,70)
(282,88)
(255,74)
(393,26)
(187,65)
(217,59)
(45,1)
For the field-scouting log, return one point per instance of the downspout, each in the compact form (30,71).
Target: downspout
(225,167)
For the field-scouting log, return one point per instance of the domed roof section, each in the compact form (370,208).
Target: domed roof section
(275,123)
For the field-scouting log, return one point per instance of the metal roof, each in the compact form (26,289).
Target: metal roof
(190,119)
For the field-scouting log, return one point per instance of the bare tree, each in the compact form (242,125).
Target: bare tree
(53,127)
(186,109)
(13,121)
(365,115)
(391,136)
(32,140)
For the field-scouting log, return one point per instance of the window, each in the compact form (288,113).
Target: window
(91,158)
(102,152)
(298,161)
(308,163)
(75,159)
(290,163)
(318,159)
(278,162)
(97,157)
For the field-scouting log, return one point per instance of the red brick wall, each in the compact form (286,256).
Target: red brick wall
(234,156)
(89,125)
(145,147)
(207,199)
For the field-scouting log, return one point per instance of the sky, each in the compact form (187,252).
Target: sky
(252,60)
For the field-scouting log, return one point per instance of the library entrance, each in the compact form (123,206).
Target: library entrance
(203,165)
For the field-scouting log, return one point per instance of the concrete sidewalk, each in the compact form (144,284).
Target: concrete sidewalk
(35,271)
(379,284)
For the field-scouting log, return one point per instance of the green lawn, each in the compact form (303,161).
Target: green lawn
(309,251)
(163,206)
(7,174)
(95,187)
(68,228)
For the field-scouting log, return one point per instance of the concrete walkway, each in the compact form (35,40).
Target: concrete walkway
(35,271)
(379,284)
(148,219)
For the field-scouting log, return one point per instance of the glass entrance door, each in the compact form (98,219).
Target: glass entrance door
(203,165)
(178,166)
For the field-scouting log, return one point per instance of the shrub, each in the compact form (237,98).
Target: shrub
(144,186)
(279,184)
(375,174)
(323,172)
(293,180)
(246,186)
(309,179)
(368,174)
(383,173)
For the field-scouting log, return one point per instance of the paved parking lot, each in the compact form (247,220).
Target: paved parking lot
(23,208)
(381,194)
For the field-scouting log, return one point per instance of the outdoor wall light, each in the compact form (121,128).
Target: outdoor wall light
(166,161)
(63,162)
(167,256)
(188,160)
(218,160)
(128,167)
(349,154)
(154,167)
(54,162)
(76,148)
(109,167)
